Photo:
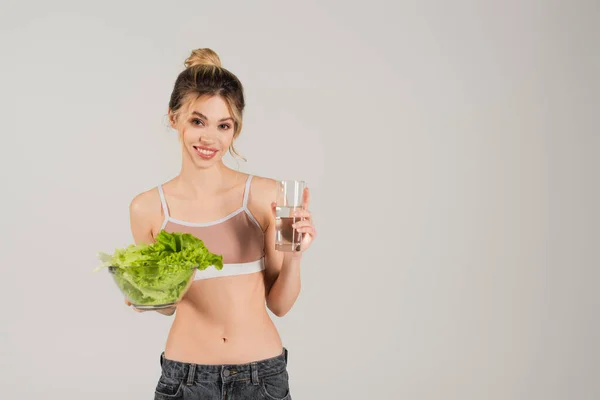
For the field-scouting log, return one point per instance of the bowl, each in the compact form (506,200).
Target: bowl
(153,287)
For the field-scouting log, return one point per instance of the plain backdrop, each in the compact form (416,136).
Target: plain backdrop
(452,150)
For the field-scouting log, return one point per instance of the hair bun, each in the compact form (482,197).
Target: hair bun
(203,57)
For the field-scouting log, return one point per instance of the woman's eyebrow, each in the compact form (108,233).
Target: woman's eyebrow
(204,116)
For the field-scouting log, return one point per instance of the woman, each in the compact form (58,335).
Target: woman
(222,343)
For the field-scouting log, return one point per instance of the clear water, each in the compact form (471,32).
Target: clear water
(286,237)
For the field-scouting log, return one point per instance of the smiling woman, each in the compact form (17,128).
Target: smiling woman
(203,136)
(205,82)
(222,334)
(203,121)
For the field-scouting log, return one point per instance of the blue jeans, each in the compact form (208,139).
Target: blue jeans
(263,379)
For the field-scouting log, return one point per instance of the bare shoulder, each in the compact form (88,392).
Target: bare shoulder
(263,191)
(263,187)
(145,213)
(146,203)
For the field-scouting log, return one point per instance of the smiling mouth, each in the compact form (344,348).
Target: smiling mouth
(205,152)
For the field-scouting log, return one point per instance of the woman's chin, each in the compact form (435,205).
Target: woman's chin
(201,163)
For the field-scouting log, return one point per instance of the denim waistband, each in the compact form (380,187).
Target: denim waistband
(190,372)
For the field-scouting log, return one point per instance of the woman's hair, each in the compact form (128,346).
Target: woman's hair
(204,76)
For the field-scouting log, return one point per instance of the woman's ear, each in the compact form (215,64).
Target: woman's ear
(172,120)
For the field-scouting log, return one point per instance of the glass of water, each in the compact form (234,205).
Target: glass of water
(289,199)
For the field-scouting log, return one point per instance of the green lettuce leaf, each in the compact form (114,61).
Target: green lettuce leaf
(162,269)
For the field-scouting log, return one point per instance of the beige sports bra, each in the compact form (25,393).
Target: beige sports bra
(238,237)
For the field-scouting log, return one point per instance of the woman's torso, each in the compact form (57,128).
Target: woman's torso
(223,318)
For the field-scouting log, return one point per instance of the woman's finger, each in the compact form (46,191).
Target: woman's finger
(301,224)
(303,213)
(305,198)
(307,229)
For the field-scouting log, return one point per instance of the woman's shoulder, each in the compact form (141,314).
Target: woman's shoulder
(146,204)
(145,215)
(262,193)
(263,188)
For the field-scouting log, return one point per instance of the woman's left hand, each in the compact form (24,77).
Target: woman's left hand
(303,225)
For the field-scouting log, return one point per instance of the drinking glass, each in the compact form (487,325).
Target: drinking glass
(289,199)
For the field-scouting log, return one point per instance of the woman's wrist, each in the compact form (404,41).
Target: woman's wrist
(290,258)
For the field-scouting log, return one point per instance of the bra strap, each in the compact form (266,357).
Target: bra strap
(247,191)
(163,201)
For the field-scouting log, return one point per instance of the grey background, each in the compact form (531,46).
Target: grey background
(451,149)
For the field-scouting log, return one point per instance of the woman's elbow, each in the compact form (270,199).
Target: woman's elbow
(277,310)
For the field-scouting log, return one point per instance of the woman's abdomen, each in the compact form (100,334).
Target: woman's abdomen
(223,321)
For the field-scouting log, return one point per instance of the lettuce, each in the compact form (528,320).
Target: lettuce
(159,273)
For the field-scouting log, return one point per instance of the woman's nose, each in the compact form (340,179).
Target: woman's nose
(208,136)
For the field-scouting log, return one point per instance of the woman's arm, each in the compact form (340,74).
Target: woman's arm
(282,272)
(142,214)
(140,219)
(282,269)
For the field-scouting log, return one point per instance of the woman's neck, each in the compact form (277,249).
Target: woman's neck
(198,182)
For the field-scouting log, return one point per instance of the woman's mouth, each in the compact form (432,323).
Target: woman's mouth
(205,152)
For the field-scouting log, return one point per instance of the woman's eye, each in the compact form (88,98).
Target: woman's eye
(197,122)
(225,126)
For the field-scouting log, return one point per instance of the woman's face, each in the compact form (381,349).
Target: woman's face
(206,129)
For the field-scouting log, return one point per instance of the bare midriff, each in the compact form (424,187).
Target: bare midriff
(223,321)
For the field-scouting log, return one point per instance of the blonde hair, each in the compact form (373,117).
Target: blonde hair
(204,76)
